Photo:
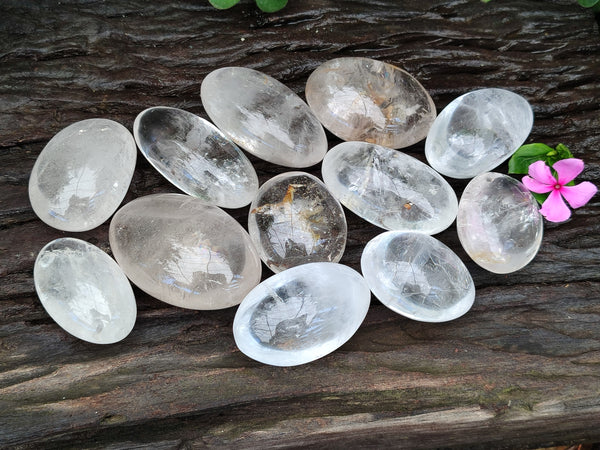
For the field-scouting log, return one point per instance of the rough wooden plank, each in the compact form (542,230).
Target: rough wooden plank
(520,369)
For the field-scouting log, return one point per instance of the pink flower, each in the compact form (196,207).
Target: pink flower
(541,181)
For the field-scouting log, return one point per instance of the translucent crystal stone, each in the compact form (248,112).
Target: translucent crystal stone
(82,174)
(195,156)
(184,252)
(84,291)
(295,220)
(498,223)
(417,276)
(360,99)
(301,314)
(477,132)
(388,188)
(263,116)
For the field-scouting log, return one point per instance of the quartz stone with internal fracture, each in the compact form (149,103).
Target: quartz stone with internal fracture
(417,276)
(263,116)
(195,156)
(301,314)
(184,252)
(84,291)
(295,220)
(361,99)
(498,223)
(82,175)
(478,131)
(389,188)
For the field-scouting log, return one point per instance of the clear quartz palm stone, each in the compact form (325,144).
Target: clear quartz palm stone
(295,220)
(361,99)
(82,175)
(477,131)
(301,314)
(417,276)
(388,188)
(498,223)
(195,156)
(184,252)
(263,116)
(84,291)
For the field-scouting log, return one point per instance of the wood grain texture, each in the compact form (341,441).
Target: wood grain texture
(521,369)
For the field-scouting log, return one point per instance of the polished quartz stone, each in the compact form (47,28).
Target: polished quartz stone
(82,174)
(195,156)
(388,188)
(184,252)
(498,223)
(263,116)
(417,276)
(295,220)
(477,132)
(84,291)
(361,99)
(301,314)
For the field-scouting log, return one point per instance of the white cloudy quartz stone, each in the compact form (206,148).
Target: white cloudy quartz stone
(498,223)
(295,220)
(417,276)
(301,314)
(184,252)
(361,99)
(84,291)
(389,188)
(82,175)
(263,116)
(195,156)
(478,131)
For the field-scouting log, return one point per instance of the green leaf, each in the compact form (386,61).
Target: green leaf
(223,4)
(527,155)
(270,6)
(541,198)
(587,3)
(562,152)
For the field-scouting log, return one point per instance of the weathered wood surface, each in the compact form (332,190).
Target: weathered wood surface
(521,369)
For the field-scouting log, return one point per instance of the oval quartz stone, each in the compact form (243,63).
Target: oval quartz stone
(417,276)
(84,291)
(361,99)
(195,156)
(388,188)
(301,314)
(295,220)
(184,252)
(82,174)
(263,116)
(498,223)
(477,132)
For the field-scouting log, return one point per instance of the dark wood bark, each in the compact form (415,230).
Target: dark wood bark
(521,369)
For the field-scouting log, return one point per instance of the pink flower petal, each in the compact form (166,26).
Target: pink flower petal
(554,208)
(541,173)
(568,169)
(536,186)
(579,195)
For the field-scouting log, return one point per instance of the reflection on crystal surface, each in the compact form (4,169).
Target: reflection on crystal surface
(361,99)
(82,175)
(388,188)
(294,220)
(84,291)
(184,252)
(498,223)
(263,116)
(478,131)
(301,314)
(195,156)
(417,276)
